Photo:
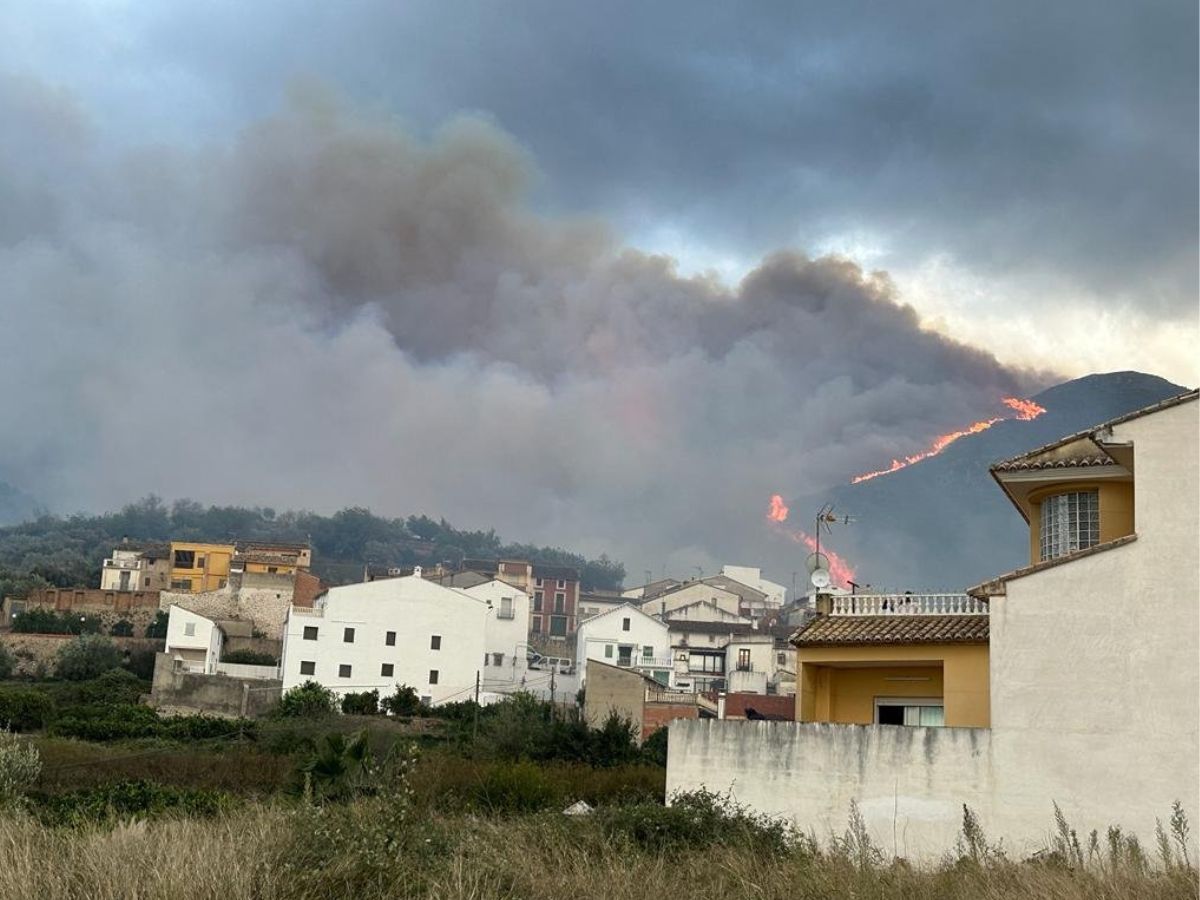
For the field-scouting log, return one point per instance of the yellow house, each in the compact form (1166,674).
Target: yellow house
(197,567)
(272,558)
(895,659)
(1075,493)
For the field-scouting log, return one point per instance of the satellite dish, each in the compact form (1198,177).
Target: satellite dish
(816,561)
(820,578)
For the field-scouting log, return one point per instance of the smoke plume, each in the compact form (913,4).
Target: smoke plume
(327,311)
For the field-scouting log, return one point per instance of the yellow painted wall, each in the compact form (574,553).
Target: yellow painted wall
(280,568)
(829,692)
(213,573)
(1116,510)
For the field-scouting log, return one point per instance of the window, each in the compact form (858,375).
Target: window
(310,632)
(562,583)
(536,625)
(647,652)
(435,642)
(538,582)
(537,601)
(1070,522)
(506,608)
(147,581)
(386,670)
(608,651)
(781,658)
(390,639)
(272,570)
(624,624)
(433,676)
(927,712)
(308,668)
(497,659)
(558,626)
(343,671)
(743,663)
(559,601)
(181,584)
(348,636)
(190,629)
(199,562)
(713,663)
(185,559)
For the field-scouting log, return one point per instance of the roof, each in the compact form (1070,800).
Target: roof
(839,630)
(654,588)
(1013,463)
(686,626)
(995,586)
(566,573)
(743,590)
(1023,463)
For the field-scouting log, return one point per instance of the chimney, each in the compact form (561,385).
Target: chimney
(417,573)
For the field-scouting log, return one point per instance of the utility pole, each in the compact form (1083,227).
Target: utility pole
(476,729)
(553,672)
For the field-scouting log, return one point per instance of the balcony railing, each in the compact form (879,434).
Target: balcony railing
(644,662)
(908,605)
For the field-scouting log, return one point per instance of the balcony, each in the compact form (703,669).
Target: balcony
(908,605)
(644,662)
(505,614)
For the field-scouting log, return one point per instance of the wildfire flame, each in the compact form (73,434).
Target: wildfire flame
(840,571)
(1023,411)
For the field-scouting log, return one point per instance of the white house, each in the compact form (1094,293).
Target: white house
(689,593)
(506,621)
(193,639)
(776,594)
(628,638)
(380,634)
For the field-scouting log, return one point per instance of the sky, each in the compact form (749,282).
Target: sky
(604,276)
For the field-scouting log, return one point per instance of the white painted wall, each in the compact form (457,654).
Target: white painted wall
(416,610)
(189,635)
(503,665)
(704,611)
(1095,674)
(602,636)
(751,576)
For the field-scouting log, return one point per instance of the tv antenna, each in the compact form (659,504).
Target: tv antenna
(818,563)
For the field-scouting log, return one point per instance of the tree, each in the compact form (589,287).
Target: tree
(339,767)
(307,701)
(88,656)
(404,702)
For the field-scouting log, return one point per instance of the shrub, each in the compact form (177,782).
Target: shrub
(654,748)
(20,766)
(305,701)
(249,658)
(47,621)
(130,799)
(695,821)
(25,709)
(515,788)
(122,628)
(8,663)
(158,628)
(117,721)
(87,657)
(404,702)
(116,686)
(140,662)
(364,704)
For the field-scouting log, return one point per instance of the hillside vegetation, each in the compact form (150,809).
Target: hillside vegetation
(67,552)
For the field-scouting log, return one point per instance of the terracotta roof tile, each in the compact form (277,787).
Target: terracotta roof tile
(1020,464)
(830,630)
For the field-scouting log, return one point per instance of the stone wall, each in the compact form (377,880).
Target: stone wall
(36,653)
(182,693)
(261,600)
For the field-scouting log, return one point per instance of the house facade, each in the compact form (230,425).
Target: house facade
(197,566)
(1093,674)
(380,634)
(898,659)
(627,638)
(137,568)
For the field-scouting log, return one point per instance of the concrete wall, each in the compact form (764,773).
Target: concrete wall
(612,690)
(174,691)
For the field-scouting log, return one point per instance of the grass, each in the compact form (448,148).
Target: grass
(544,856)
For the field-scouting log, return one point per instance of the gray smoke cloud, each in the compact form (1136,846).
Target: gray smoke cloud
(326,311)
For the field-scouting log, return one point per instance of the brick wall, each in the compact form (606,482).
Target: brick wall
(656,715)
(783,705)
(136,607)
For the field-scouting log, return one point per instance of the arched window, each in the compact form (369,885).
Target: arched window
(1070,522)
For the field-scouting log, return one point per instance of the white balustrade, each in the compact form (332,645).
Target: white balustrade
(908,605)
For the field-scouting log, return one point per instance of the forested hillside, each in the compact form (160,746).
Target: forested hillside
(69,551)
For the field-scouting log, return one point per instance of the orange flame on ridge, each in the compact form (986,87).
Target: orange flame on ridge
(1024,411)
(840,571)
